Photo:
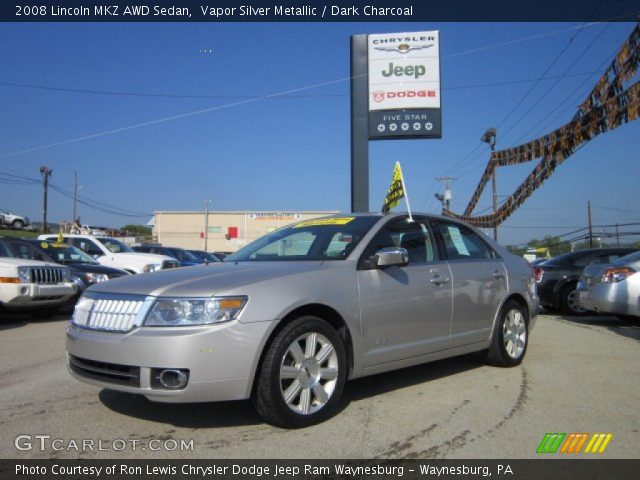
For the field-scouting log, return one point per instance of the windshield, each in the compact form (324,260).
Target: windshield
(332,238)
(66,254)
(113,245)
(4,251)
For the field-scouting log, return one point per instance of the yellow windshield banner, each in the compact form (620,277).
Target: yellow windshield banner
(325,221)
(396,190)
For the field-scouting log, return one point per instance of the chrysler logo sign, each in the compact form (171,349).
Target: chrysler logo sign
(402,48)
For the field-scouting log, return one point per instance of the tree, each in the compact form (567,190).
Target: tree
(137,230)
(556,245)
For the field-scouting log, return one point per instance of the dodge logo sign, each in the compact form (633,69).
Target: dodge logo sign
(378,96)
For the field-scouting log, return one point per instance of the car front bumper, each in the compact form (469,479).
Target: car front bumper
(220,359)
(30,295)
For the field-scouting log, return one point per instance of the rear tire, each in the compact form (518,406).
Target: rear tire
(569,301)
(302,375)
(510,336)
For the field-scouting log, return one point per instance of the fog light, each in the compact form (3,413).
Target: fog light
(169,378)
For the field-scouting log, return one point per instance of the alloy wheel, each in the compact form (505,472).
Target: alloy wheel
(308,373)
(514,333)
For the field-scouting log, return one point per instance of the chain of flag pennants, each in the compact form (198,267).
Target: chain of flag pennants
(608,106)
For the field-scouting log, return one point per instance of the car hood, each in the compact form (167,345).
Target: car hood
(19,262)
(95,268)
(206,280)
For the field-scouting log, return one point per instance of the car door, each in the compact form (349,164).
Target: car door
(478,279)
(405,310)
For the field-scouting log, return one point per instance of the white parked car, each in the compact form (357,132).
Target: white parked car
(113,253)
(15,221)
(34,287)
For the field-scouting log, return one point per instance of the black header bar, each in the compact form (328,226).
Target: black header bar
(319,11)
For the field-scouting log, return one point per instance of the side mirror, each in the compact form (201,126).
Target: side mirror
(390,256)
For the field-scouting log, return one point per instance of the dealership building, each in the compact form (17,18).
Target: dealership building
(221,231)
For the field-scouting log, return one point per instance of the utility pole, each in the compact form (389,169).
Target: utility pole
(590,225)
(75,196)
(46,173)
(206,223)
(446,198)
(489,137)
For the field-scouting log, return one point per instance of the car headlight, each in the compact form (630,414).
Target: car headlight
(174,312)
(152,267)
(66,275)
(96,277)
(24,274)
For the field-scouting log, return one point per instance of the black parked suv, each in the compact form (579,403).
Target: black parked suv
(557,278)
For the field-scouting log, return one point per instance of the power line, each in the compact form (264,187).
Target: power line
(253,97)
(84,200)
(546,93)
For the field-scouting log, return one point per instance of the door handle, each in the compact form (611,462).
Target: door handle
(497,274)
(439,280)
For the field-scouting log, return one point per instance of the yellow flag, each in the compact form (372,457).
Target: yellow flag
(396,190)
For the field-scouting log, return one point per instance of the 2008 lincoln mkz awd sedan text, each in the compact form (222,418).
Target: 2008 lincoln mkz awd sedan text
(289,318)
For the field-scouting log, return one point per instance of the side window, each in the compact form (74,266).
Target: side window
(414,237)
(461,242)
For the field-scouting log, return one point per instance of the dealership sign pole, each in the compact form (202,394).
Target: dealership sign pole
(395,94)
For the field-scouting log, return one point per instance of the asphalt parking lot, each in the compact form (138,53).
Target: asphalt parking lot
(580,375)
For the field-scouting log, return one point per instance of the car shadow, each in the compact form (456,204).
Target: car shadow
(10,320)
(191,415)
(242,413)
(382,383)
(629,328)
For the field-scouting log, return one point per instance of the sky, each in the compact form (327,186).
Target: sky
(168,148)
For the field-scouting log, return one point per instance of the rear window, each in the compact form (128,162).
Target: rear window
(632,257)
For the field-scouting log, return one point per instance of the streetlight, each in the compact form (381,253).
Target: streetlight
(489,137)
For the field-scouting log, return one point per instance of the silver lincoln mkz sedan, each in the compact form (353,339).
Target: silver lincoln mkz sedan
(289,318)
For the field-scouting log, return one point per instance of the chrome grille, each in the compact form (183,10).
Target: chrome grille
(112,315)
(46,275)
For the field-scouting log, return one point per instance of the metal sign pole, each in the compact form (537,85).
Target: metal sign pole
(359,124)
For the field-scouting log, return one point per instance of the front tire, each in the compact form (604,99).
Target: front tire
(302,376)
(510,336)
(18,224)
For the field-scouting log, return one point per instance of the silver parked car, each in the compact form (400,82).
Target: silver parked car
(289,318)
(612,288)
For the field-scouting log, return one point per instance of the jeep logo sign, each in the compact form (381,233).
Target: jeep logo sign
(410,70)
(404,62)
